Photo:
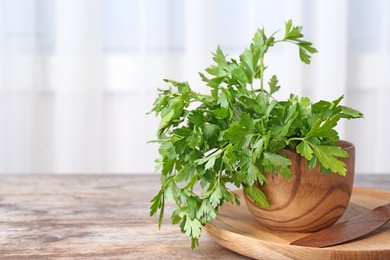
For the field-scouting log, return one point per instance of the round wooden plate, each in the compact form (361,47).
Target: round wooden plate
(236,229)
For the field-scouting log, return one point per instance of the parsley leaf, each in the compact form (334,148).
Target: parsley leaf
(257,195)
(273,84)
(327,155)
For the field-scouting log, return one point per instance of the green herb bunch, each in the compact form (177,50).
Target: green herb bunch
(234,134)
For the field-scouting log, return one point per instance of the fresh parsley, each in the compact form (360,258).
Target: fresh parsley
(234,133)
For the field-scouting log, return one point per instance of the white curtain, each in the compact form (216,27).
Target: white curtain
(78,76)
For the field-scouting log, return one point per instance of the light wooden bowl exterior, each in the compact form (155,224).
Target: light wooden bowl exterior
(310,200)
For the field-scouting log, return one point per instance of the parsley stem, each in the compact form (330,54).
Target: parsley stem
(220,172)
(201,97)
(262,72)
(294,138)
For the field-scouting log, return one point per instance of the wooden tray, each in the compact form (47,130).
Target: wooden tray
(236,229)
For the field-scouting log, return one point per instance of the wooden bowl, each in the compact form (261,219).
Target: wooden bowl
(310,200)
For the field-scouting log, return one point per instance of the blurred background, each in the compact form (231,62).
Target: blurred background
(78,76)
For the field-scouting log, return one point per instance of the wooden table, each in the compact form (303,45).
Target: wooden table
(99,217)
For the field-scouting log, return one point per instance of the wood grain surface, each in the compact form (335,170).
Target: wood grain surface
(237,229)
(346,231)
(310,200)
(99,217)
